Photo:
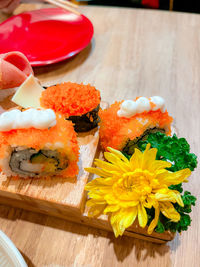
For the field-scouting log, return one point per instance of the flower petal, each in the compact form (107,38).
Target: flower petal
(114,217)
(111,199)
(122,219)
(154,222)
(96,210)
(172,178)
(98,183)
(136,160)
(149,202)
(149,156)
(112,158)
(115,222)
(111,208)
(159,165)
(118,154)
(169,211)
(125,204)
(179,199)
(97,171)
(117,231)
(92,202)
(106,166)
(129,217)
(142,216)
(170,195)
(95,195)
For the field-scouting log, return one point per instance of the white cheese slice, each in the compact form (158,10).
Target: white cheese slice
(29,93)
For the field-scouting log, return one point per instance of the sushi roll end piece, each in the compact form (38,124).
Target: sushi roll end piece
(78,103)
(125,123)
(37,143)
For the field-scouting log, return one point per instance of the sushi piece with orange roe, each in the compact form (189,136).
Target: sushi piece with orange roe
(125,123)
(76,102)
(37,143)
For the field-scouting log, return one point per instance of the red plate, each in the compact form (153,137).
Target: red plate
(46,36)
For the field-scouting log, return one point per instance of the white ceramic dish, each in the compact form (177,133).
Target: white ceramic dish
(9,254)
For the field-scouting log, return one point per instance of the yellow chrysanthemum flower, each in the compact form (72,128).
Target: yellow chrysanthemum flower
(126,187)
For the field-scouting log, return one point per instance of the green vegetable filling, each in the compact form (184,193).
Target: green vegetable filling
(52,160)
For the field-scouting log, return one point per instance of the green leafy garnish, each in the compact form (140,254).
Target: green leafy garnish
(177,187)
(185,220)
(173,149)
(160,228)
(188,201)
(176,151)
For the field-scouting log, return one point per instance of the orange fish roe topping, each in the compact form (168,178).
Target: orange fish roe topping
(61,137)
(115,131)
(152,104)
(71,99)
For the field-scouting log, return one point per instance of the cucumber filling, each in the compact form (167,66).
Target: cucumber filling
(130,146)
(31,162)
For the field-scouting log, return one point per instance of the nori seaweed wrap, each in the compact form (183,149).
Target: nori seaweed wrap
(78,103)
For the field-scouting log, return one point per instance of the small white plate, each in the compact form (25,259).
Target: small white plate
(9,254)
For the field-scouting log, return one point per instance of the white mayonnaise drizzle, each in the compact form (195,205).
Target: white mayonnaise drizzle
(15,119)
(129,107)
(159,103)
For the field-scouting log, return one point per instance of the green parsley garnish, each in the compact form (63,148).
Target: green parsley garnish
(176,151)
(173,149)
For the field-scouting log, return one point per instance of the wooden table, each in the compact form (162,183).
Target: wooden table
(133,52)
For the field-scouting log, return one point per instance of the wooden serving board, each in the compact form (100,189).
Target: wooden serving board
(63,194)
(57,192)
(65,198)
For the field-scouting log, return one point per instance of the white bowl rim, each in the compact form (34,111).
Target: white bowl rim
(13,253)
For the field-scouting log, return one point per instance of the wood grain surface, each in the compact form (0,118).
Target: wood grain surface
(133,52)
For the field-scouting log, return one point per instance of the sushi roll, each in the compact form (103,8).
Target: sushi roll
(127,122)
(78,103)
(37,143)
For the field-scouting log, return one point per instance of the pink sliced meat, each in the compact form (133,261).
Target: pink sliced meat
(9,5)
(14,69)
(5,3)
